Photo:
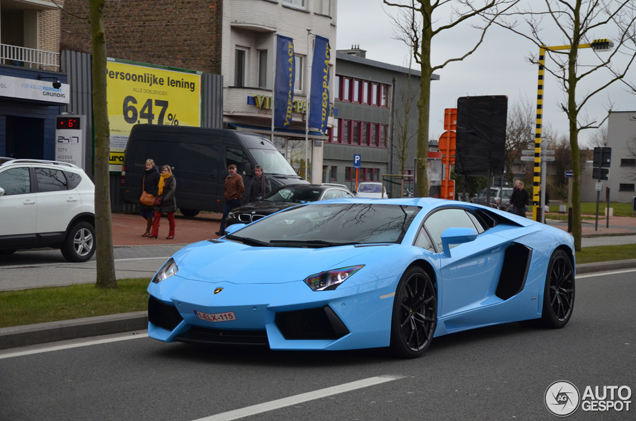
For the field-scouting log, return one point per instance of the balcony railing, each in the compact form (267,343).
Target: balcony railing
(29,57)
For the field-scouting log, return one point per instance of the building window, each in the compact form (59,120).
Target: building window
(300,71)
(336,94)
(626,187)
(373,129)
(240,67)
(365,134)
(346,85)
(384,91)
(356,91)
(356,133)
(333,134)
(365,92)
(297,3)
(333,175)
(349,175)
(345,133)
(628,162)
(374,94)
(262,68)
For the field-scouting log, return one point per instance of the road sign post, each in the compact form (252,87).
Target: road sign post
(357,163)
(600,171)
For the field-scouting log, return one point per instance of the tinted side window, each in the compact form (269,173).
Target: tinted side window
(237,157)
(73,179)
(50,180)
(15,181)
(438,222)
(423,241)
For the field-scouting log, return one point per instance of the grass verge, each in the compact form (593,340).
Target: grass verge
(71,302)
(606,253)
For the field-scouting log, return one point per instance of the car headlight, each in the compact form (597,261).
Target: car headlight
(232,215)
(167,270)
(331,279)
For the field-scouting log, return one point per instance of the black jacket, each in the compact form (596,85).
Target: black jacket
(259,188)
(519,198)
(150,184)
(169,202)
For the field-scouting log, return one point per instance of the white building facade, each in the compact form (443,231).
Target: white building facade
(249,34)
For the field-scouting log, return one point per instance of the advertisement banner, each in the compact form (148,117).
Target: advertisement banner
(284,86)
(139,94)
(319,100)
(39,90)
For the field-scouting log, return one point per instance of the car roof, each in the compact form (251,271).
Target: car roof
(12,161)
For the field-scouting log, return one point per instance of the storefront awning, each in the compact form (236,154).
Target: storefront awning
(299,134)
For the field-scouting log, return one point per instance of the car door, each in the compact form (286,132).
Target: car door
(18,209)
(57,205)
(470,275)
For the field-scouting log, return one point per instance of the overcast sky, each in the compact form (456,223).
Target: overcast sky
(499,67)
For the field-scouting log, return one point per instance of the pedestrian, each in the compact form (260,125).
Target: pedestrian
(519,199)
(149,185)
(260,186)
(232,192)
(167,204)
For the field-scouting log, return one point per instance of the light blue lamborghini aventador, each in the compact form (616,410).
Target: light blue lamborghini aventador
(364,273)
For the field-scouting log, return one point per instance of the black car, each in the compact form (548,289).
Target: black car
(286,197)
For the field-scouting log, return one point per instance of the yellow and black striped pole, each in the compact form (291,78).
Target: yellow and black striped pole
(536,180)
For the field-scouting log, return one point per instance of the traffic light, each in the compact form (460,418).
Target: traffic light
(602,44)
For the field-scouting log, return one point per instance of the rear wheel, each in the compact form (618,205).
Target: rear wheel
(79,245)
(414,314)
(189,213)
(558,297)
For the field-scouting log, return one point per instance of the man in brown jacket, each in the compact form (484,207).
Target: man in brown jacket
(232,191)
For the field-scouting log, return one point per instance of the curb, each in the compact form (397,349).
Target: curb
(20,336)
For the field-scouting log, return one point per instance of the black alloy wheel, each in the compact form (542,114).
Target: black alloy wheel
(414,314)
(558,298)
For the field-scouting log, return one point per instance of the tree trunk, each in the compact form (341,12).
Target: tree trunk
(103,228)
(574,129)
(424,104)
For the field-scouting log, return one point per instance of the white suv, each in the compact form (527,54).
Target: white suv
(46,204)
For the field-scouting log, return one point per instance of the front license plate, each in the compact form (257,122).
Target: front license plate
(217,317)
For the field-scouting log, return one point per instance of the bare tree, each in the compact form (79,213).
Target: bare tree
(598,139)
(103,227)
(519,134)
(577,21)
(419,21)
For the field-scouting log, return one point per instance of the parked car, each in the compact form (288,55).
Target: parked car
(286,197)
(499,197)
(364,273)
(372,190)
(47,204)
(199,158)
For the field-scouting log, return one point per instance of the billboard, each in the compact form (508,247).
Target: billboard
(141,93)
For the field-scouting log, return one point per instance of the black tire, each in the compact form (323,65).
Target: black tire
(79,244)
(189,213)
(7,252)
(414,316)
(558,296)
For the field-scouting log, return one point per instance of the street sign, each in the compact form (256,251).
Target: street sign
(599,186)
(569,174)
(543,152)
(600,173)
(357,161)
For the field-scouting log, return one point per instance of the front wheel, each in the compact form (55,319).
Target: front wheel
(189,213)
(558,297)
(414,316)
(79,244)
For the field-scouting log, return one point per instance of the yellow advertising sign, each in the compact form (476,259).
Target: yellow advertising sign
(115,161)
(148,95)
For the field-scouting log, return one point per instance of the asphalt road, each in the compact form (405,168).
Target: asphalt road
(499,372)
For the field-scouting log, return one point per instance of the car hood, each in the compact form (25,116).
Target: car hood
(227,261)
(264,207)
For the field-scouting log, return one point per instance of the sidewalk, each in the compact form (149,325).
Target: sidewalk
(618,225)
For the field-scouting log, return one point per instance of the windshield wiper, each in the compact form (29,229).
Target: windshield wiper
(311,243)
(248,241)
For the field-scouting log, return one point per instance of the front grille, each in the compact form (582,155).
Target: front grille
(163,315)
(198,334)
(315,323)
(244,218)
(257,217)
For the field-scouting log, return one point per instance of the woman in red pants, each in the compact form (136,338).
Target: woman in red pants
(167,187)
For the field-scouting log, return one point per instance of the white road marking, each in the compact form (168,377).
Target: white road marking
(67,265)
(74,345)
(613,272)
(303,397)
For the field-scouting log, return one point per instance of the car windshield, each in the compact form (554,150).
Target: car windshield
(325,225)
(298,194)
(507,193)
(493,193)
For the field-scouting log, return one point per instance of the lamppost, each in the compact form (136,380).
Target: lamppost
(597,44)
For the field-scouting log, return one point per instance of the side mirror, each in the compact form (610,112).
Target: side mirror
(247,168)
(1,192)
(457,236)
(233,228)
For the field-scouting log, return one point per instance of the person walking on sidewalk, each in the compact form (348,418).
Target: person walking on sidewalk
(168,202)
(519,199)
(232,192)
(260,186)
(149,185)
